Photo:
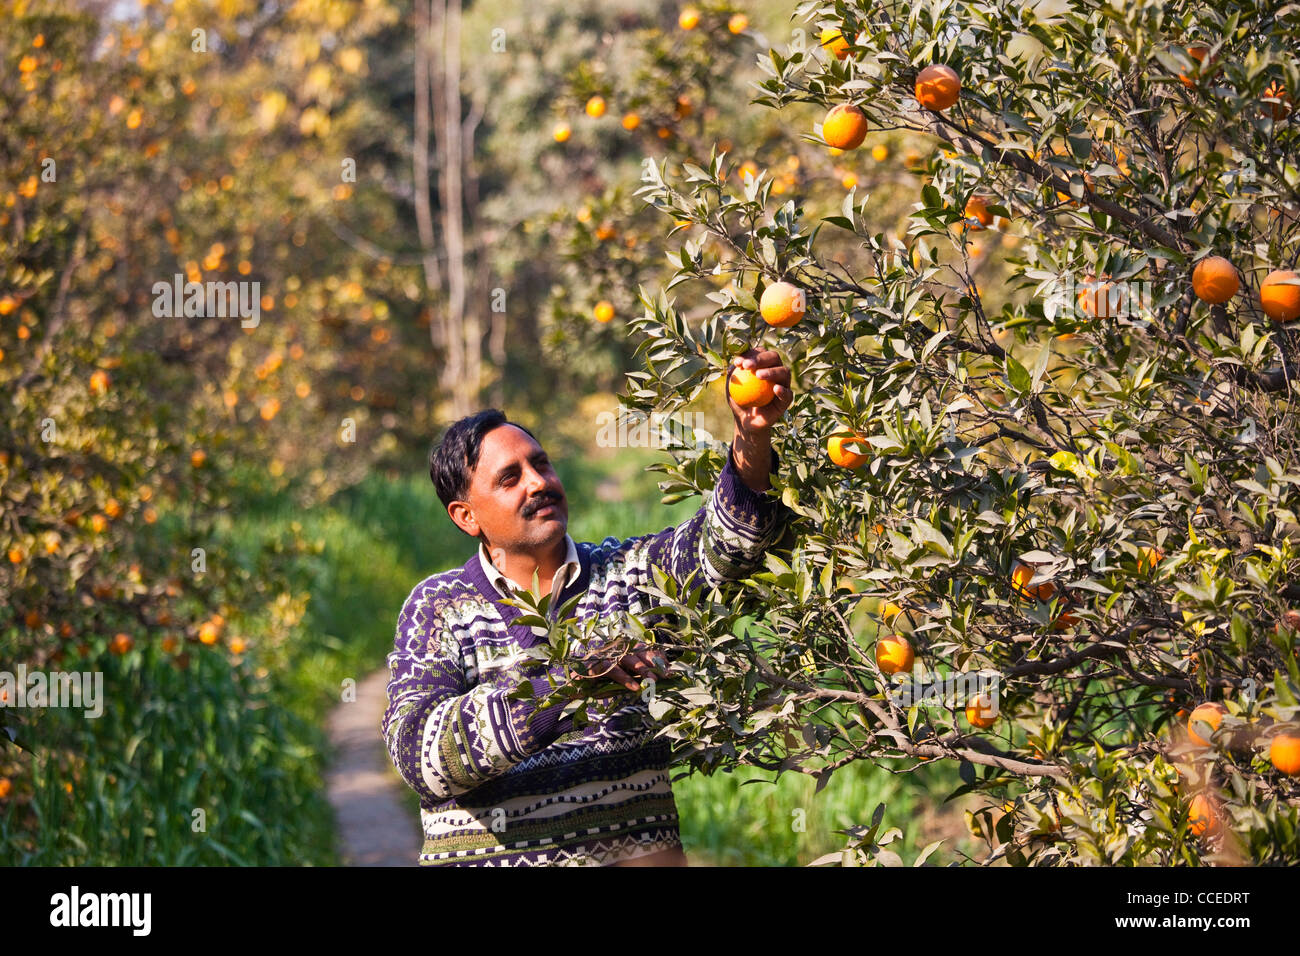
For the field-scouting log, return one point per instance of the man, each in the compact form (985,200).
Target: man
(502,781)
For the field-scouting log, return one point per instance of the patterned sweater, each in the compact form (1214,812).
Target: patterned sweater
(502,782)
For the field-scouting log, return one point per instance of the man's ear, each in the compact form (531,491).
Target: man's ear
(461,513)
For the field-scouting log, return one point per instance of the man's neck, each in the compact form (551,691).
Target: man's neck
(519,566)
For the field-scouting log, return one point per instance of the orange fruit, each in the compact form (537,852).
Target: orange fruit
(197,457)
(1096,298)
(631,121)
(894,654)
(1021,575)
(689,18)
(1197,52)
(738,23)
(1063,620)
(782,305)
(1209,713)
(99,383)
(561,132)
(1281,302)
(1203,819)
(596,107)
(16,555)
(748,390)
(937,87)
(168,644)
(98,523)
(5,787)
(888,610)
(1277,91)
(977,711)
(604,310)
(1214,280)
(121,643)
(112,508)
(238,645)
(880,152)
(33,619)
(1148,558)
(604,231)
(833,41)
(842,456)
(1284,753)
(845,126)
(209,632)
(977,213)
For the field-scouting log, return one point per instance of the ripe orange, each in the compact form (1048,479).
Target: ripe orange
(209,632)
(631,121)
(596,107)
(1284,753)
(937,87)
(1214,280)
(978,711)
(1277,91)
(1197,52)
(98,523)
(880,152)
(1021,575)
(1209,713)
(689,18)
(894,654)
(562,132)
(168,644)
(99,383)
(845,126)
(1097,299)
(238,645)
(1203,819)
(121,643)
(977,213)
(842,456)
(197,457)
(833,41)
(782,305)
(604,310)
(113,508)
(1281,302)
(1148,558)
(748,390)
(33,619)
(5,787)
(738,23)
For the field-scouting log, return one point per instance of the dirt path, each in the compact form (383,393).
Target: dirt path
(375,826)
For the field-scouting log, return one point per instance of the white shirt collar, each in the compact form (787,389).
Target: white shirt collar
(568,571)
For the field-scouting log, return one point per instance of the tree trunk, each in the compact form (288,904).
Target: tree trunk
(462,387)
(420,164)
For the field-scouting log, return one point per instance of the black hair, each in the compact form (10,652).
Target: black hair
(453,459)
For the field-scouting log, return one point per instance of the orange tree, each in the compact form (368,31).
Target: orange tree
(1081,487)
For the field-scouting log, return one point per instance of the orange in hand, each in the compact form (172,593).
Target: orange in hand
(748,390)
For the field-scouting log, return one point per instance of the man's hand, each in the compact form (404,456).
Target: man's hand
(751,447)
(768,366)
(642,661)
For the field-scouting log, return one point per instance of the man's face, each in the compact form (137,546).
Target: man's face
(515,496)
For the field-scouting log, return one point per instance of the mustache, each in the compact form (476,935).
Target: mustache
(541,501)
